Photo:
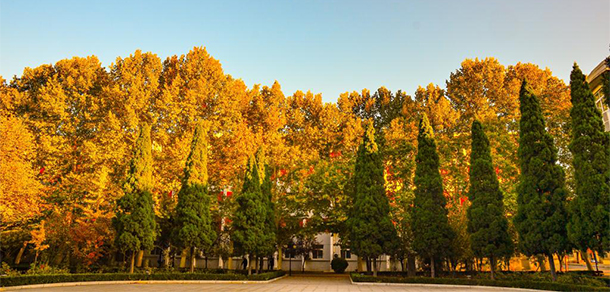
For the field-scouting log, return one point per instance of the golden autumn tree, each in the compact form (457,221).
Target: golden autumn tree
(63,105)
(20,201)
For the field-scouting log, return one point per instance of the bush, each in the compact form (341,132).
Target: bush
(339,265)
(6,270)
(62,278)
(46,270)
(528,284)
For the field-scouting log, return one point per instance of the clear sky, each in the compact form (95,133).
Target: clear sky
(324,46)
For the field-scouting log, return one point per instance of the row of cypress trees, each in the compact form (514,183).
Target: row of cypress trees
(547,224)
(253,221)
(135,219)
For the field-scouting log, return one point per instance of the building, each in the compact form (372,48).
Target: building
(596,81)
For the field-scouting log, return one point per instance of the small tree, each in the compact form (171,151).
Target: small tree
(432,234)
(267,247)
(541,217)
(135,218)
(589,226)
(487,224)
(248,227)
(372,232)
(193,228)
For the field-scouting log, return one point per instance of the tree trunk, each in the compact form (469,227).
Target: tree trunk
(183,257)
(261,264)
(411,265)
(552,266)
(133,261)
(193,259)
(375,267)
(20,253)
(140,256)
(541,264)
(492,264)
(166,255)
(36,258)
(432,268)
(368,264)
(250,258)
(279,258)
(585,257)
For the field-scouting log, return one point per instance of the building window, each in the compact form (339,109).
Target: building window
(318,251)
(346,253)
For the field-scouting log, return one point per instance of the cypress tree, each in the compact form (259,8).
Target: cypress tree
(541,217)
(487,225)
(135,218)
(248,227)
(432,234)
(589,225)
(267,246)
(193,227)
(372,232)
(271,227)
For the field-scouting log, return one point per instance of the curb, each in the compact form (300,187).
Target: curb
(70,284)
(444,286)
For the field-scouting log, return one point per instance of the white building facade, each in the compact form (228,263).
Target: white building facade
(596,80)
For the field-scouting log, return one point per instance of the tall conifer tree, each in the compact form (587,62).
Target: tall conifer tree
(372,232)
(432,234)
(541,217)
(248,227)
(487,225)
(135,218)
(589,225)
(193,227)
(267,246)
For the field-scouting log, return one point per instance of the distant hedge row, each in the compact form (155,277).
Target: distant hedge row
(61,278)
(527,284)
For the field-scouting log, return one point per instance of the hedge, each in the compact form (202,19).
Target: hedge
(553,286)
(62,278)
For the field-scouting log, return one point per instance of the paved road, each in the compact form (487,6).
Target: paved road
(302,283)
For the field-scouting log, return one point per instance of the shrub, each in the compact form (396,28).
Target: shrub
(6,270)
(43,269)
(339,265)
(61,278)
(528,284)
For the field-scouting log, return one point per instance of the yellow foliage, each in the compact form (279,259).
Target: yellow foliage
(20,199)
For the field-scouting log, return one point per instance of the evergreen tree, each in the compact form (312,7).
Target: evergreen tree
(372,232)
(248,227)
(432,234)
(270,226)
(135,218)
(589,225)
(541,217)
(267,246)
(487,225)
(193,227)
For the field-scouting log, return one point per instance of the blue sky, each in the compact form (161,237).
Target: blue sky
(324,46)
